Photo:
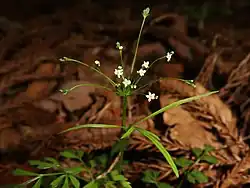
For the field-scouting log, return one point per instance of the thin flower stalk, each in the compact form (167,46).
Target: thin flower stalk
(92,68)
(137,45)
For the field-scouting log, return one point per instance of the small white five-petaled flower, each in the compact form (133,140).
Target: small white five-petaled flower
(169,55)
(141,72)
(120,47)
(151,96)
(97,63)
(126,82)
(145,64)
(119,72)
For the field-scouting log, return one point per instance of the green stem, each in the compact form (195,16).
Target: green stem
(92,68)
(88,84)
(137,45)
(124,119)
(124,110)
(122,62)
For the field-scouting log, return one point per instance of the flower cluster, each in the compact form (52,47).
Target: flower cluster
(142,71)
(169,55)
(126,82)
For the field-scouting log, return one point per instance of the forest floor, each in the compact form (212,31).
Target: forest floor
(211,46)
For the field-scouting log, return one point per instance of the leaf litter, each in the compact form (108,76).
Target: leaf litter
(33,110)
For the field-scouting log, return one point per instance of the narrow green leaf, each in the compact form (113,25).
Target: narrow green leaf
(75,182)
(176,104)
(92,184)
(55,183)
(128,132)
(210,159)
(90,126)
(197,152)
(66,182)
(119,146)
(199,176)
(125,184)
(163,151)
(70,154)
(52,160)
(148,133)
(38,183)
(74,170)
(163,185)
(183,162)
(41,164)
(21,172)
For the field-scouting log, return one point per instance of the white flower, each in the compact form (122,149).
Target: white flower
(151,96)
(120,47)
(145,64)
(169,55)
(141,72)
(133,86)
(119,72)
(126,82)
(97,63)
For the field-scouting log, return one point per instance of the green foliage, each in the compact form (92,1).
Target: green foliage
(43,164)
(150,177)
(112,177)
(183,162)
(119,146)
(72,154)
(203,155)
(155,140)
(194,176)
(65,176)
(92,184)
(21,172)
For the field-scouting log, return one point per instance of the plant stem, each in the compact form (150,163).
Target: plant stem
(137,45)
(124,119)
(92,68)
(124,110)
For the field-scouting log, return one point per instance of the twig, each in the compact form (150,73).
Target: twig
(112,166)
